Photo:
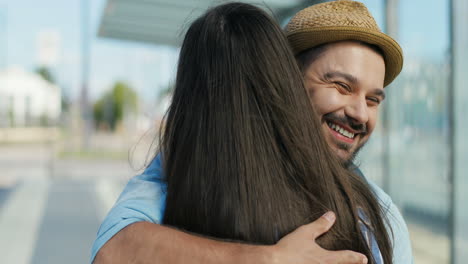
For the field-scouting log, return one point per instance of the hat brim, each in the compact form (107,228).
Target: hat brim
(301,40)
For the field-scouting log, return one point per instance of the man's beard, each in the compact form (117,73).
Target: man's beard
(360,128)
(347,163)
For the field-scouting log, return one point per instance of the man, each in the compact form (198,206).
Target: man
(346,62)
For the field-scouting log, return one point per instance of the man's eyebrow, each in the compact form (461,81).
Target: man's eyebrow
(337,74)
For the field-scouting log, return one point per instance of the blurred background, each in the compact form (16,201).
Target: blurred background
(85,83)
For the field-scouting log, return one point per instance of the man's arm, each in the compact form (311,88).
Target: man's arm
(402,251)
(151,243)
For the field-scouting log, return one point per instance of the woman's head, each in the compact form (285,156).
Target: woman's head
(232,52)
(243,152)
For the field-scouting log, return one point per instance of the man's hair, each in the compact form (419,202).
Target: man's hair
(305,58)
(242,148)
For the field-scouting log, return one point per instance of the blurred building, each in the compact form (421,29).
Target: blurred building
(418,153)
(26,99)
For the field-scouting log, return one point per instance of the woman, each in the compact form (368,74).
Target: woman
(243,153)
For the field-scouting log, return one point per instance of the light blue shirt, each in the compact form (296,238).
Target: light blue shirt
(143,199)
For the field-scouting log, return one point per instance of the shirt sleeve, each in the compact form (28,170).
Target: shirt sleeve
(402,252)
(143,199)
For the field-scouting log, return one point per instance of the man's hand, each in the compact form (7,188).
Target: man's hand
(151,243)
(300,247)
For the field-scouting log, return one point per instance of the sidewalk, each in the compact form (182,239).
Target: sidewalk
(19,221)
(69,224)
(50,210)
(48,221)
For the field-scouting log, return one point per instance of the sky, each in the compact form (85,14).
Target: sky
(149,68)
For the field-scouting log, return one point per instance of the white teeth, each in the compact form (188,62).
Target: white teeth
(341,130)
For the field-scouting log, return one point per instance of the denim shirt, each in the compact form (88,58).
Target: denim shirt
(144,196)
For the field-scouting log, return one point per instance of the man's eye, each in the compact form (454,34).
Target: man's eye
(344,86)
(374,100)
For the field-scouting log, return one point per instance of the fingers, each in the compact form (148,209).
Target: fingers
(349,257)
(297,247)
(321,225)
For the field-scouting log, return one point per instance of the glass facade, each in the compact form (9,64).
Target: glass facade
(460,143)
(419,128)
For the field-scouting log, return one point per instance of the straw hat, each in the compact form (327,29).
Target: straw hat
(343,20)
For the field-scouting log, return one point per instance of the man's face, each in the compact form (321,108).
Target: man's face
(345,85)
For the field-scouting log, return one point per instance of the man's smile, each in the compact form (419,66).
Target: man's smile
(342,133)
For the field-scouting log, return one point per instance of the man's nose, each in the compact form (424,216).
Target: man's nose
(357,110)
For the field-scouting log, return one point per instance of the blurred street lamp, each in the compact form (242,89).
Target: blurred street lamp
(84,96)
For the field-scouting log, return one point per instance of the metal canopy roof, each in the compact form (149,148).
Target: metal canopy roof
(165,21)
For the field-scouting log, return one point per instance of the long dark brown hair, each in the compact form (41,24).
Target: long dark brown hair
(243,154)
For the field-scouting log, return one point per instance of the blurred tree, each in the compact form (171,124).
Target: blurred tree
(163,93)
(65,103)
(46,74)
(109,110)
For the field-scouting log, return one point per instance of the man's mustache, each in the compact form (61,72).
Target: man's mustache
(345,120)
